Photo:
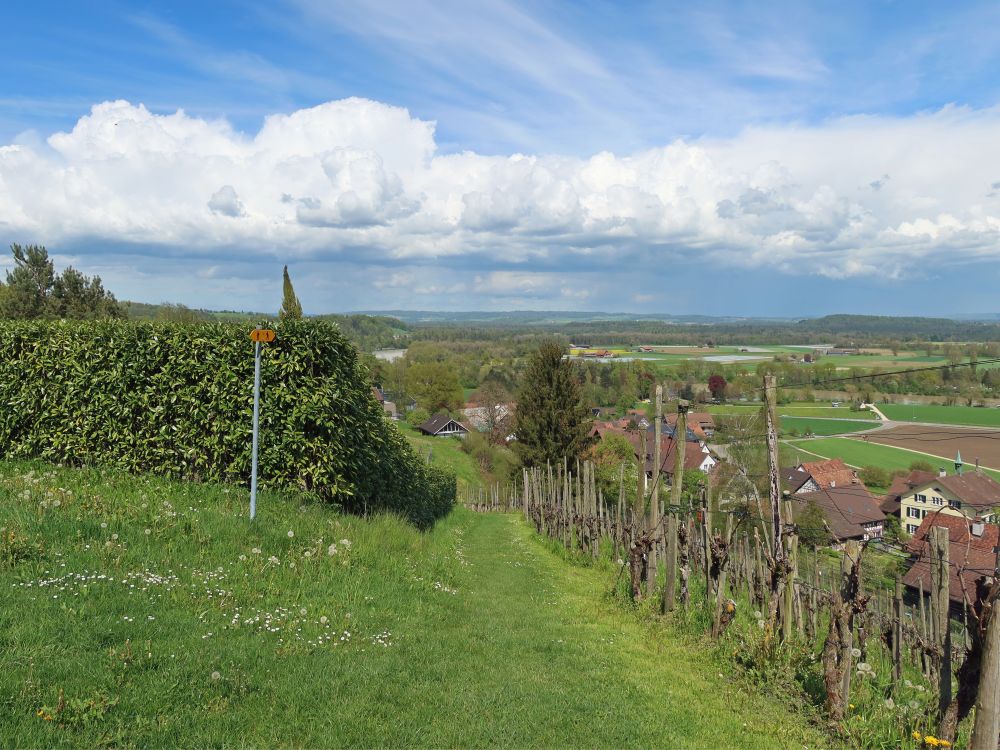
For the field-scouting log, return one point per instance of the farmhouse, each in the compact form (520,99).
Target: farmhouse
(812,476)
(971,495)
(851,511)
(442,425)
(598,354)
(973,543)
(700,425)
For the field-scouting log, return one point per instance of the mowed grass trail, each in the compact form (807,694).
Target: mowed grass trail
(163,618)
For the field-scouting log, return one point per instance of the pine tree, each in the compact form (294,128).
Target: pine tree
(290,305)
(552,421)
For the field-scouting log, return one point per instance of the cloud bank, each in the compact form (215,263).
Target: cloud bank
(363,182)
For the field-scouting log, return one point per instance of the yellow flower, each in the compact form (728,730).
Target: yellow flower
(932,741)
(39,712)
(850,705)
(917,736)
(944,743)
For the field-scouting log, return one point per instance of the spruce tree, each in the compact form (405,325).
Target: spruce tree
(552,421)
(290,305)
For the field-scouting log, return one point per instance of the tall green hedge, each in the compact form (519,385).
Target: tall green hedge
(177,399)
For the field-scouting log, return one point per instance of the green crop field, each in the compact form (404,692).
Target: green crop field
(816,426)
(138,612)
(797,409)
(957,415)
(859,453)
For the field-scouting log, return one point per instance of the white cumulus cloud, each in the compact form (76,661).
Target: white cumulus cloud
(361,179)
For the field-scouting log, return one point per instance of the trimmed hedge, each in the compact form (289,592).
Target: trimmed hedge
(177,399)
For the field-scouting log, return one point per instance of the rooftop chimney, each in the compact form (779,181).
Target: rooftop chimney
(978,527)
(942,472)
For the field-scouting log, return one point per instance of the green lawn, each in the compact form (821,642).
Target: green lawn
(816,426)
(859,453)
(144,613)
(957,415)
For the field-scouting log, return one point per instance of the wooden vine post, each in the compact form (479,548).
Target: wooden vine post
(987,725)
(939,543)
(653,515)
(777,561)
(680,441)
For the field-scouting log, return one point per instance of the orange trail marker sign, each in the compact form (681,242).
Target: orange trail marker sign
(258,336)
(262,336)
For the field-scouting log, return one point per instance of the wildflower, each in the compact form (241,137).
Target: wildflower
(758,615)
(908,683)
(917,736)
(291,563)
(273,559)
(302,611)
(307,553)
(944,743)
(114,537)
(242,558)
(255,551)
(932,741)
(216,676)
(850,705)
(914,705)
(331,550)
(890,703)
(147,532)
(104,525)
(346,543)
(323,620)
(291,534)
(856,653)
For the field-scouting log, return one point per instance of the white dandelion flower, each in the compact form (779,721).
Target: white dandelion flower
(291,534)
(331,550)
(856,653)
(216,676)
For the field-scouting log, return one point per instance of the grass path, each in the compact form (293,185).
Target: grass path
(556,665)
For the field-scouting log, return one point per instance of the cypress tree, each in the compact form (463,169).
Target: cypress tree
(290,305)
(552,420)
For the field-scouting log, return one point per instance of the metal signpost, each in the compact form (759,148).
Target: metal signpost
(258,336)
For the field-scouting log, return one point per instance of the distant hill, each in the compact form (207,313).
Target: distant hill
(368,332)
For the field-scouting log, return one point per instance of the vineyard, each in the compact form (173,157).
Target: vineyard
(885,669)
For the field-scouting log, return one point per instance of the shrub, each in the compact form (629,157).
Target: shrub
(417,417)
(176,400)
(875,476)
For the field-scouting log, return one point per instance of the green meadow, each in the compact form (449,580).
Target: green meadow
(139,612)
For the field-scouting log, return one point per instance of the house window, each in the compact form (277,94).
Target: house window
(956,504)
(913,513)
(920,498)
(911,528)
(937,500)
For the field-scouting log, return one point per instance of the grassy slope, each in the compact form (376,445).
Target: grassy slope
(472,634)
(446,453)
(795,410)
(957,415)
(858,453)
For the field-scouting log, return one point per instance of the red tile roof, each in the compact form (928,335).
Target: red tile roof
(974,555)
(847,509)
(831,473)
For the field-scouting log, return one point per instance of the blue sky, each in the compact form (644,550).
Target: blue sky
(730,158)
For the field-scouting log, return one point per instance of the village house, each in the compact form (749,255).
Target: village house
(973,550)
(443,425)
(851,511)
(387,406)
(812,476)
(697,455)
(700,425)
(972,495)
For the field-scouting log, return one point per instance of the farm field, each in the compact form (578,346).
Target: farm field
(859,453)
(957,415)
(141,612)
(946,441)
